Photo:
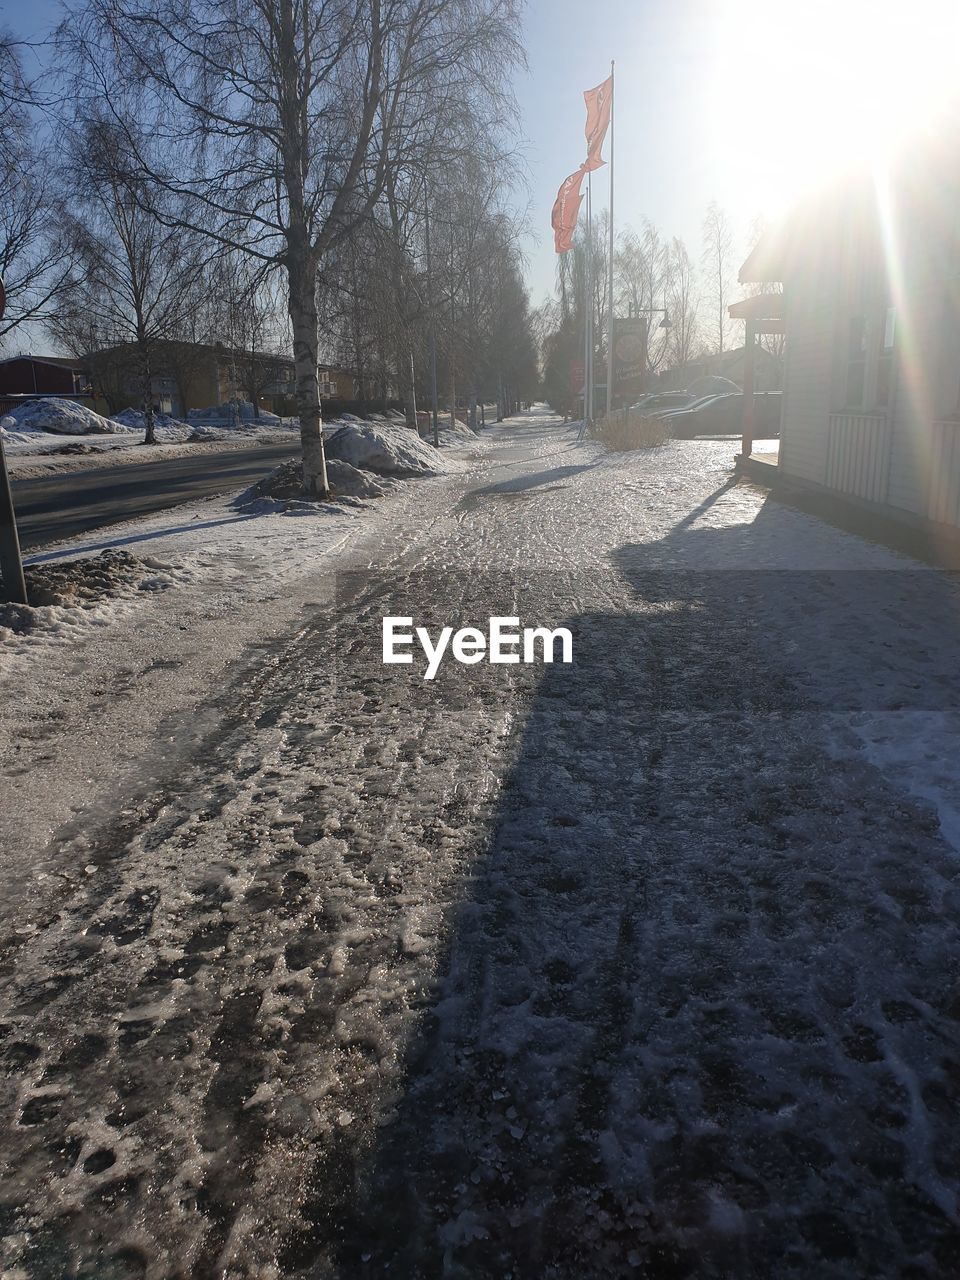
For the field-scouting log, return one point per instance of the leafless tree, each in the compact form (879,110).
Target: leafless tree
(33,263)
(282,117)
(247,320)
(136,272)
(682,301)
(717,263)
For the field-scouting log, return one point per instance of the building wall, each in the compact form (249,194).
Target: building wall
(901,452)
(24,376)
(810,299)
(343,383)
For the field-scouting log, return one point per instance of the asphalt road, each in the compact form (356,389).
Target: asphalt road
(60,506)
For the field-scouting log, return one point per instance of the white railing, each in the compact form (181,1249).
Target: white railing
(943,481)
(858,455)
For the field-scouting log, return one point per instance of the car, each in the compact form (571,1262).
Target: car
(723,415)
(694,404)
(666,400)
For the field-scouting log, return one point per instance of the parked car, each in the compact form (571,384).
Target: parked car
(696,403)
(663,400)
(723,415)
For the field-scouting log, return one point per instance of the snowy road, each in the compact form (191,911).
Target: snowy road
(645,966)
(60,506)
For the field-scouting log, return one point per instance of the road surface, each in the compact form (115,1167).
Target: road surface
(644,966)
(63,505)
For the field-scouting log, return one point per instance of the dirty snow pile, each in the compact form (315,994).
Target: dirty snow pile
(285,484)
(67,598)
(386,448)
(455,435)
(53,416)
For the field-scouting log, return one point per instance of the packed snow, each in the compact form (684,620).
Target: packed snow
(238,413)
(54,416)
(644,965)
(388,448)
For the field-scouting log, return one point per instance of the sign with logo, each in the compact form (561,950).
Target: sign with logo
(577,377)
(629,354)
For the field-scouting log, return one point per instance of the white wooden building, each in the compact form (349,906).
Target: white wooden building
(871,312)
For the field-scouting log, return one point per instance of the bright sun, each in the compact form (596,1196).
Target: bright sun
(805,88)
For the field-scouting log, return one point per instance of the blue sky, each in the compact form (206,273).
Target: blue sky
(742,101)
(673,135)
(666,53)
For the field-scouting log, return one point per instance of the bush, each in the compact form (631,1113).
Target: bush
(624,431)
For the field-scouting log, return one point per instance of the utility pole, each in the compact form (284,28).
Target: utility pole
(11,562)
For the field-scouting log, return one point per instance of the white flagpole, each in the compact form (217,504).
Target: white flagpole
(590,297)
(586,328)
(613,103)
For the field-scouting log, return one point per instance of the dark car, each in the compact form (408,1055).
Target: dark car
(665,400)
(723,415)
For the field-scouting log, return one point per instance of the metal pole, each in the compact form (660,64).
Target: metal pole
(613,103)
(11,563)
(413,392)
(590,297)
(433,327)
(586,329)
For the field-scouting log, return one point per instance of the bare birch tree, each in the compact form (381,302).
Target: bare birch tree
(136,272)
(717,263)
(33,262)
(682,300)
(279,119)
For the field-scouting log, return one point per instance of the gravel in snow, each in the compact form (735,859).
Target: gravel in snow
(645,965)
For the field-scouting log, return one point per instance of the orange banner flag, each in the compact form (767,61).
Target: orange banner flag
(599,101)
(566,210)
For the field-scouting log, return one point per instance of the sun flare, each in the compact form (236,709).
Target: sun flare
(809,89)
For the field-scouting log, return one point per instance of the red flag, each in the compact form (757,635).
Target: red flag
(599,101)
(566,210)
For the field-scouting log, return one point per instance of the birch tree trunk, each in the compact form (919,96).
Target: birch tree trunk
(303,320)
(409,390)
(150,436)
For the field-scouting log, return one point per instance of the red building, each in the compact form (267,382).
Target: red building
(42,375)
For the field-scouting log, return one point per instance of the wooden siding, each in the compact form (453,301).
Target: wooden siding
(943,488)
(858,455)
(806,395)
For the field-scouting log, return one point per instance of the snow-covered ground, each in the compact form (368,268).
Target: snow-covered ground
(645,965)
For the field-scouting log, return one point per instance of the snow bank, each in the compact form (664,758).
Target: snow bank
(168,430)
(346,479)
(70,597)
(455,436)
(59,417)
(286,482)
(235,414)
(386,448)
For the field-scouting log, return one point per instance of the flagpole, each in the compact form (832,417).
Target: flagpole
(590,296)
(613,104)
(586,333)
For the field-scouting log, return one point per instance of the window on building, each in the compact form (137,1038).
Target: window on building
(857,362)
(885,362)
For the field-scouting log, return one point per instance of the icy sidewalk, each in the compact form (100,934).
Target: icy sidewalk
(635,966)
